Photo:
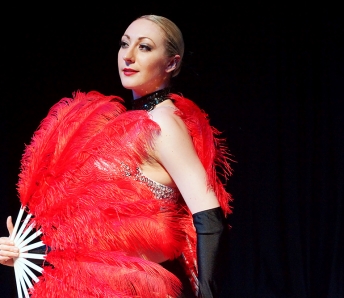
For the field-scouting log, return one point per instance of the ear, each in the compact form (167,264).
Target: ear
(172,64)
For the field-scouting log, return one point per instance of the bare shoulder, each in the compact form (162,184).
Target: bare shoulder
(174,139)
(175,151)
(168,121)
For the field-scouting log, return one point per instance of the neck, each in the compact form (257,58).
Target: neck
(138,93)
(149,101)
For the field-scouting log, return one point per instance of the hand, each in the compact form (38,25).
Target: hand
(8,251)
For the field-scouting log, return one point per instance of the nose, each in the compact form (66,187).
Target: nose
(128,55)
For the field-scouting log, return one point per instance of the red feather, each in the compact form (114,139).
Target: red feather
(77,180)
(211,149)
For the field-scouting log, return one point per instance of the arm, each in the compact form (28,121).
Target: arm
(210,248)
(7,249)
(175,151)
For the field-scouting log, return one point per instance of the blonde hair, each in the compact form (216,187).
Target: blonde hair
(174,38)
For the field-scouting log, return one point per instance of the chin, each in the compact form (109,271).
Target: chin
(127,85)
(133,87)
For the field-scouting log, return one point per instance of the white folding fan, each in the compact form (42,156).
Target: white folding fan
(22,236)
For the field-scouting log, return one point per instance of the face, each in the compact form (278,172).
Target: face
(142,61)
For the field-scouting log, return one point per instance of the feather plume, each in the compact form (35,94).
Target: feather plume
(211,149)
(77,180)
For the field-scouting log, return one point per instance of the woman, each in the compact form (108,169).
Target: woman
(123,197)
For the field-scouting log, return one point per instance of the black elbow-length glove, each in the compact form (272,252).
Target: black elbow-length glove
(210,228)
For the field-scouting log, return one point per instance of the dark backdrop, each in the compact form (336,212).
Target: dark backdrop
(270,77)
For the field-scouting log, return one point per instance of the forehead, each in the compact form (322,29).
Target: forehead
(145,28)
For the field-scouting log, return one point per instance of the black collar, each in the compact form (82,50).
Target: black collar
(149,101)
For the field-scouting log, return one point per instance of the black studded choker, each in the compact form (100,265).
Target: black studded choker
(149,101)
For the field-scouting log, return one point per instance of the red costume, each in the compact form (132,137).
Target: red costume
(98,213)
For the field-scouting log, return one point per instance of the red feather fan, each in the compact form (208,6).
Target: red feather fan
(96,218)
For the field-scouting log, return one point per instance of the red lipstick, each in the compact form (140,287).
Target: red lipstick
(129,71)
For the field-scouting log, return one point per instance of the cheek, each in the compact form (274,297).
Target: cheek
(156,67)
(119,59)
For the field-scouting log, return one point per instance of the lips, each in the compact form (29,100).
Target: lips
(129,71)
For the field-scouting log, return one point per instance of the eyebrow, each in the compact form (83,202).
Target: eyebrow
(140,38)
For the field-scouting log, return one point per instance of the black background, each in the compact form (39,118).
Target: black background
(269,76)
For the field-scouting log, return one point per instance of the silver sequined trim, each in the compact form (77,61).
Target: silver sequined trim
(159,190)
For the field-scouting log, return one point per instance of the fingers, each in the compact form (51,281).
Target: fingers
(9,224)
(7,248)
(7,251)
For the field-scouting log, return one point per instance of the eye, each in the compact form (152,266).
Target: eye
(123,44)
(145,47)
